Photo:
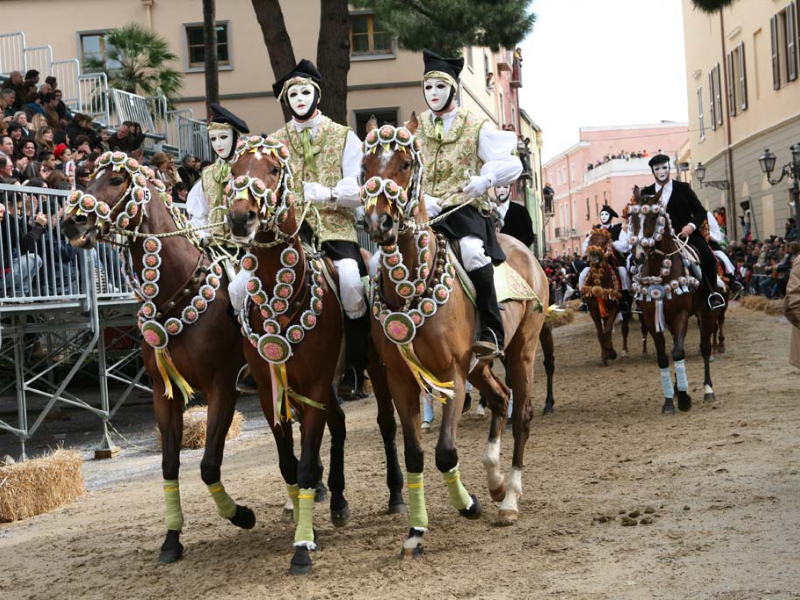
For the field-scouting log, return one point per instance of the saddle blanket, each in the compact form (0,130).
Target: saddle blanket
(508,284)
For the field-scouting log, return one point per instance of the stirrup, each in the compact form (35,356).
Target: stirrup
(245,383)
(487,350)
(721,304)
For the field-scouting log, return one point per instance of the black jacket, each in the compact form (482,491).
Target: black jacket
(615,230)
(518,224)
(683,207)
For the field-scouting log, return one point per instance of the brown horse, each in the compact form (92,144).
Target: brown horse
(205,350)
(602,292)
(666,287)
(294,328)
(423,329)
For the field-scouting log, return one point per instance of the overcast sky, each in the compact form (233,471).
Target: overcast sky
(602,62)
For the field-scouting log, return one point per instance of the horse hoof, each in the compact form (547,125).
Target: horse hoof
(684,402)
(710,397)
(668,410)
(244,517)
(474,511)
(287,516)
(712,358)
(301,561)
(548,410)
(507,517)
(721,349)
(398,508)
(340,517)
(612,355)
(624,354)
(498,494)
(171,549)
(320,493)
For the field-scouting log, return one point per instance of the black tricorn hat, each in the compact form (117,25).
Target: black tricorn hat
(658,159)
(434,62)
(305,68)
(223,115)
(610,211)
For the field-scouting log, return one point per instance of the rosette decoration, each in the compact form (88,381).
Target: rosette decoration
(421,302)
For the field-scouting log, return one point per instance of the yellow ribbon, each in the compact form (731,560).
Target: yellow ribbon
(169,373)
(427,381)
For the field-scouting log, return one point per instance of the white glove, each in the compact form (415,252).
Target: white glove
(432,206)
(237,290)
(314,192)
(477,186)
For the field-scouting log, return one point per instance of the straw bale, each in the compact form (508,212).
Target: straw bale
(194,427)
(754,302)
(774,308)
(40,485)
(564,318)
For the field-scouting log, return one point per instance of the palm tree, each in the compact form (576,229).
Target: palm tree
(137,61)
(711,6)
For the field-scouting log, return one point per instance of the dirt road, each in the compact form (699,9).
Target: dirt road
(723,480)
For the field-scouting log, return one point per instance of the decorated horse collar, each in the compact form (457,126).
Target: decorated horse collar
(273,207)
(394,139)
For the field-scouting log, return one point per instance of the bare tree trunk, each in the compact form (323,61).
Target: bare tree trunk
(333,58)
(276,37)
(210,47)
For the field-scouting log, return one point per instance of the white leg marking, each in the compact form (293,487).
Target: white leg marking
(513,491)
(491,460)
(708,389)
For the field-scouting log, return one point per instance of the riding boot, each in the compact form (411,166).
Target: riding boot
(356,341)
(490,341)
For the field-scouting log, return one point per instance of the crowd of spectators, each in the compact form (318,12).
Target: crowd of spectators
(622,155)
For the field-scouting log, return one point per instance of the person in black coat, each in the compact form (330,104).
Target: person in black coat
(516,220)
(687,215)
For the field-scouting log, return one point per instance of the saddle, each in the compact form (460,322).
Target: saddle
(508,284)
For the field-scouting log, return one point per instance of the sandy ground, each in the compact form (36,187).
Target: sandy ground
(724,481)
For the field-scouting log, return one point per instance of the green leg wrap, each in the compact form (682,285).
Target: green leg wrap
(226,507)
(294,496)
(459,497)
(172,505)
(304,533)
(418,515)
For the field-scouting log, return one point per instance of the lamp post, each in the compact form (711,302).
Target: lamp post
(700,174)
(792,169)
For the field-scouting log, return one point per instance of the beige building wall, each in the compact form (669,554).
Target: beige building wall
(392,82)
(730,147)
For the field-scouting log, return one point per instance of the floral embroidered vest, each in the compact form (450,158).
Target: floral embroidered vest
(214,178)
(337,223)
(448,159)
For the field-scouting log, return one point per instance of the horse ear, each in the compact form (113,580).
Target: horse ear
(413,123)
(372,123)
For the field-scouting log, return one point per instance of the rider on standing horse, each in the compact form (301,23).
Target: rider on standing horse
(687,216)
(621,246)
(454,141)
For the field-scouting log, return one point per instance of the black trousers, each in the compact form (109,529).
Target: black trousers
(708,262)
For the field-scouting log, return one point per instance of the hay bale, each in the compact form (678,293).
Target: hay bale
(754,302)
(195,424)
(40,485)
(774,308)
(564,318)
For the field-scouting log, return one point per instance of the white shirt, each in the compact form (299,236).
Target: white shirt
(197,207)
(347,188)
(666,194)
(714,232)
(495,149)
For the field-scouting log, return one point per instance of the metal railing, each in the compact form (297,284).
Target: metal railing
(12,52)
(68,72)
(93,92)
(39,58)
(192,136)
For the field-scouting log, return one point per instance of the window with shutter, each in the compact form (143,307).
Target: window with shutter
(742,78)
(701,125)
(776,63)
(730,69)
(718,94)
(791,43)
(712,117)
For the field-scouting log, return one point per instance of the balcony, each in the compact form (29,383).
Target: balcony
(565,233)
(619,167)
(505,60)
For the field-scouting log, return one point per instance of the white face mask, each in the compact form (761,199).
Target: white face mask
(661,173)
(502,193)
(605,217)
(437,93)
(301,98)
(221,141)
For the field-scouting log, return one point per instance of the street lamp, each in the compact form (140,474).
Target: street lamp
(700,175)
(792,169)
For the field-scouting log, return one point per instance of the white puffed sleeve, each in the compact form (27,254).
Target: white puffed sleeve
(623,244)
(714,232)
(197,207)
(348,188)
(495,149)
(585,245)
